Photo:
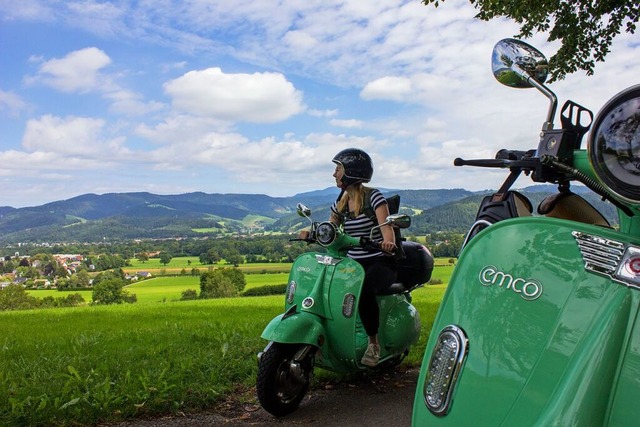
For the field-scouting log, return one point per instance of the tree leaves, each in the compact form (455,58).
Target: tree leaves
(585,28)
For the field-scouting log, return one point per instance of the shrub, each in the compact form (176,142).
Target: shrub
(216,284)
(236,276)
(71,300)
(435,282)
(15,297)
(189,294)
(110,291)
(265,290)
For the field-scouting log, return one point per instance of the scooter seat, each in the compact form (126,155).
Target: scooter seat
(568,205)
(399,288)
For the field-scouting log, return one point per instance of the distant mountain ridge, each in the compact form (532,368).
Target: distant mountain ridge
(117,216)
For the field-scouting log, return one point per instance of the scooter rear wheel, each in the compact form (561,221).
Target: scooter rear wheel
(281,388)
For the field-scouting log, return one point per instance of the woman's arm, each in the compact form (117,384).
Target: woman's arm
(388,237)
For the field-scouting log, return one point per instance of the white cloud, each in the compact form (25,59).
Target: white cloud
(78,71)
(131,104)
(349,123)
(388,88)
(322,113)
(29,10)
(257,97)
(73,137)
(12,103)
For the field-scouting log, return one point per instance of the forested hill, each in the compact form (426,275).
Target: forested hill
(120,216)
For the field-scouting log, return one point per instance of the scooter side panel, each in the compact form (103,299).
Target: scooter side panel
(625,403)
(520,292)
(400,324)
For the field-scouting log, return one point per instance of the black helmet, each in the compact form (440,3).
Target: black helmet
(357,165)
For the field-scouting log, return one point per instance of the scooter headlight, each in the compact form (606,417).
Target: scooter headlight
(614,145)
(326,233)
(444,367)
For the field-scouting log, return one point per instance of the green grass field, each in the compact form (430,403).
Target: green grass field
(175,266)
(170,288)
(103,364)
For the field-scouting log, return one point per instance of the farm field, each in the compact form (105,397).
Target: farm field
(177,264)
(170,288)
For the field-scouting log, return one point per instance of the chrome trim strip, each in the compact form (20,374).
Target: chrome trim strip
(600,255)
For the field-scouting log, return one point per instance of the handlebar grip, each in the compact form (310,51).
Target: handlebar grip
(486,163)
(365,242)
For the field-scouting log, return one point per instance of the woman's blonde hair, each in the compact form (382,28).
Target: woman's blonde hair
(343,203)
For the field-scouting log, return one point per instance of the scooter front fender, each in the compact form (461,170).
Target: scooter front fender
(294,329)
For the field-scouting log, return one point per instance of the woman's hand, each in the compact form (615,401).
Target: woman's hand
(388,246)
(304,235)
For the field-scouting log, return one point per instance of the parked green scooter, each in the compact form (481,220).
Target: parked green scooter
(321,326)
(539,324)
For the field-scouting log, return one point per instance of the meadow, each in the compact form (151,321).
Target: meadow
(97,364)
(169,288)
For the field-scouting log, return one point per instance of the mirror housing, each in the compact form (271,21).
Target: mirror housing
(303,210)
(399,220)
(514,63)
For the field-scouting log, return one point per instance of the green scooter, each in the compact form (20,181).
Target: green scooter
(321,326)
(540,321)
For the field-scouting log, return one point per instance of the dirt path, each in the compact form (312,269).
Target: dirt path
(374,400)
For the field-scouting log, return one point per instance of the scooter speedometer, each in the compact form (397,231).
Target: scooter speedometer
(326,233)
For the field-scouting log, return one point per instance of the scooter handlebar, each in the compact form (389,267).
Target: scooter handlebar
(505,159)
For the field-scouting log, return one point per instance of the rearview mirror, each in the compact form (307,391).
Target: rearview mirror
(303,210)
(514,62)
(399,220)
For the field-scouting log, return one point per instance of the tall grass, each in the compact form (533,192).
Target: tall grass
(93,364)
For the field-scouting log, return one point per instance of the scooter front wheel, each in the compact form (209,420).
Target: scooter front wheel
(284,372)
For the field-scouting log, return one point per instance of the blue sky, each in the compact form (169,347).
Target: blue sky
(254,96)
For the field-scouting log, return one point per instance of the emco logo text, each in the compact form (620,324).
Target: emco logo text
(529,289)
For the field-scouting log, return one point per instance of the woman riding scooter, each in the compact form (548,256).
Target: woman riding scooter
(320,326)
(353,168)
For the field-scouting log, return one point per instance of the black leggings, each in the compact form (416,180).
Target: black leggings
(379,273)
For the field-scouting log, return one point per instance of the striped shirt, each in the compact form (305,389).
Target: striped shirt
(361,226)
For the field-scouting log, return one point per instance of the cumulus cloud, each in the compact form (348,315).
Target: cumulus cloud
(76,137)
(257,97)
(78,71)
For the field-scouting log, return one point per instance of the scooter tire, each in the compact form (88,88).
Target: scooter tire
(279,391)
